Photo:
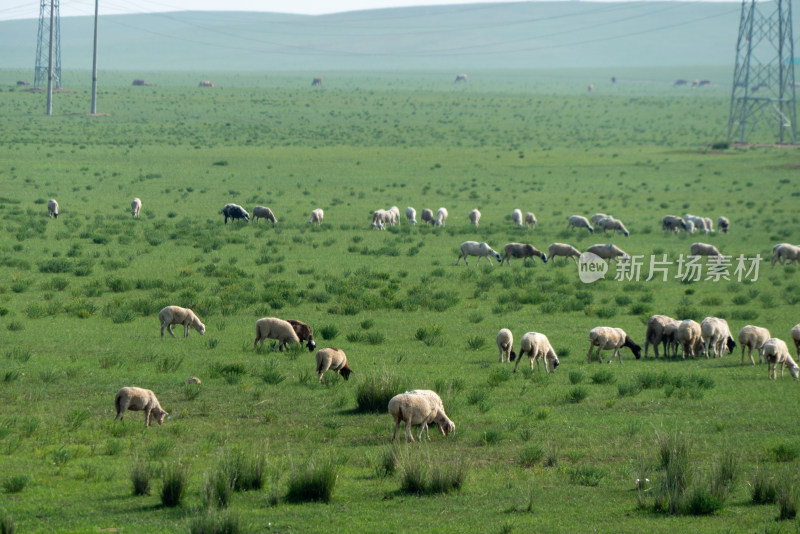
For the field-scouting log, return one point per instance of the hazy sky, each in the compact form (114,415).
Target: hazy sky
(29,9)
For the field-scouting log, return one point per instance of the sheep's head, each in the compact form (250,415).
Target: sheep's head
(200,327)
(544,257)
(160,414)
(311,345)
(447,426)
(795,371)
(731,344)
(512,356)
(636,349)
(496,256)
(554,362)
(345,372)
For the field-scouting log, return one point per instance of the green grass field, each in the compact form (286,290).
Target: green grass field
(79,298)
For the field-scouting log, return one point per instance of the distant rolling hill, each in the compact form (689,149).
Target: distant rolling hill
(456,38)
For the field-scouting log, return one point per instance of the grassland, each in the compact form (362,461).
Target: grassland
(79,297)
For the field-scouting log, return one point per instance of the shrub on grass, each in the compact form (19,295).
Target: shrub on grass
(329,332)
(430,335)
(376,389)
(423,476)
(245,473)
(586,475)
(629,390)
(785,452)
(269,372)
(475,342)
(216,522)
(174,479)
(386,463)
(192,390)
(604,376)
(16,483)
(531,454)
(763,488)
(217,490)
(140,478)
(787,501)
(7,525)
(313,482)
(577,395)
(576,377)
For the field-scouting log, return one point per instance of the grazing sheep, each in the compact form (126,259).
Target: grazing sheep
(753,337)
(673,223)
(171,315)
(441,217)
(235,211)
(192,380)
(796,338)
(776,352)
(562,249)
(709,224)
(608,252)
(303,332)
(537,347)
(671,336)
(274,328)
(411,215)
(784,252)
(419,407)
(481,250)
(260,212)
(704,249)
(689,227)
(427,216)
(530,220)
(656,333)
(715,332)
(136,207)
(723,224)
(594,219)
(139,399)
(474,217)
(379,219)
(578,221)
(699,222)
(333,359)
(394,215)
(520,250)
(505,340)
(316,216)
(615,225)
(690,336)
(605,338)
(516,217)
(52,208)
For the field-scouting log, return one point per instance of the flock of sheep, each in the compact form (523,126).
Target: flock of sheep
(424,406)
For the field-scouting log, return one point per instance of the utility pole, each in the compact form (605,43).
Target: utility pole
(94,61)
(763,105)
(50,65)
(49,34)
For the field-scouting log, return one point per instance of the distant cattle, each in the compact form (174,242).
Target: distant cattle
(206,83)
(316,81)
(138,81)
(701,83)
(23,82)
(461,78)
(681,82)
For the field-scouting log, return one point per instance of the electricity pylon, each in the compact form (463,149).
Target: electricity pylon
(48,16)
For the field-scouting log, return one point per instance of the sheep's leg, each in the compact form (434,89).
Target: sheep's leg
(519,358)
(409,437)
(186,330)
(589,355)
(396,428)
(147,417)
(169,329)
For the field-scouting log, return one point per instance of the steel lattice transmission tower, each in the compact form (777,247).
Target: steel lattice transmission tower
(48,14)
(763,96)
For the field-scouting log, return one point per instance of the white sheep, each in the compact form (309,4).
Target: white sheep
(394,215)
(608,252)
(607,338)
(753,337)
(615,225)
(171,315)
(261,212)
(656,334)
(379,219)
(784,252)
(564,250)
(136,207)
(689,227)
(530,220)
(521,250)
(673,223)
(579,221)
(594,219)
(516,217)
(274,328)
(419,407)
(671,335)
(316,216)
(411,215)
(537,347)
(776,352)
(699,222)
(441,217)
(690,336)
(481,250)
(709,224)
(52,208)
(427,216)
(474,217)
(704,249)
(333,359)
(716,335)
(139,399)
(795,333)
(505,340)
(723,224)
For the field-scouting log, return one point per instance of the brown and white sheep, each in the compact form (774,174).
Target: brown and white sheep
(607,338)
(139,399)
(419,407)
(474,217)
(656,334)
(690,336)
(171,315)
(304,333)
(784,252)
(608,252)
(776,352)
(717,336)
(521,250)
(52,208)
(505,340)
(615,225)
(753,337)
(379,219)
(333,359)
(723,224)
(136,207)
(427,216)
(274,328)
(671,335)
(481,250)
(530,220)
(261,212)
(594,219)
(673,223)
(537,347)
(579,221)
(564,250)
(704,249)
